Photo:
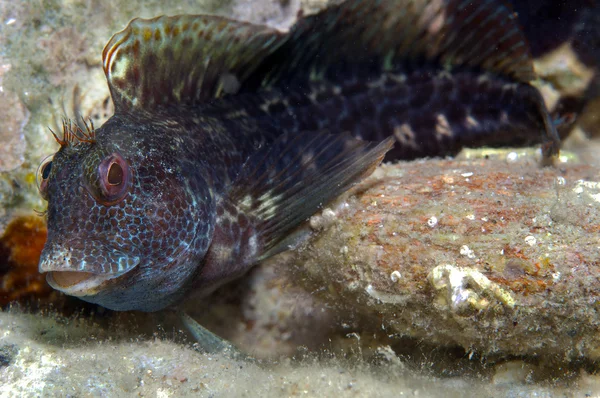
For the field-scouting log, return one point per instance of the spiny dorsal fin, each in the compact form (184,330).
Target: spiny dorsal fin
(183,59)
(452,33)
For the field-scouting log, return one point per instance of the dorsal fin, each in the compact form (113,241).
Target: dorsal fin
(452,33)
(183,59)
(191,58)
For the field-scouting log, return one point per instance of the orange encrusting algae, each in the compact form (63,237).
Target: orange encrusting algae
(20,249)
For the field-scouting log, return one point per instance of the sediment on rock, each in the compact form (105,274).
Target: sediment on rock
(498,256)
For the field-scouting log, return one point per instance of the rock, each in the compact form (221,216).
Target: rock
(512,372)
(496,256)
(7,354)
(13,120)
(266,314)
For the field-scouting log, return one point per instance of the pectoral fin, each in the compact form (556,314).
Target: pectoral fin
(283,185)
(209,342)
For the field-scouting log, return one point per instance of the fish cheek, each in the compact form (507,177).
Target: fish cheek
(170,252)
(164,215)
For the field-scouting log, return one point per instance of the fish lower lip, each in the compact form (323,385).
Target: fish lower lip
(76,283)
(70,278)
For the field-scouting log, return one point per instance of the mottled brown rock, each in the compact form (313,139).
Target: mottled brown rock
(497,256)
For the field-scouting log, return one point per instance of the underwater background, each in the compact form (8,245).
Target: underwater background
(468,276)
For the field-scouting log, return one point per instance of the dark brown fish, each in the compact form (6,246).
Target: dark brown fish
(227,135)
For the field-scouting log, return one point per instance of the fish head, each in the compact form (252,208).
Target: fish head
(121,221)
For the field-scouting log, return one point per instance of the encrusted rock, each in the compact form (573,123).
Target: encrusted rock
(509,266)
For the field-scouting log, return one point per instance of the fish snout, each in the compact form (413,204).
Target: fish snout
(80,267)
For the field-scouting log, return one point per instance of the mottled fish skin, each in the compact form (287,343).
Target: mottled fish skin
(463,110)
(438,75)
(227,135)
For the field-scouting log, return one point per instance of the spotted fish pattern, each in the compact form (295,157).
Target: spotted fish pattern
(227,136)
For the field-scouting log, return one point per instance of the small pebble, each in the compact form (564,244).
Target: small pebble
(530,240)
(432,222)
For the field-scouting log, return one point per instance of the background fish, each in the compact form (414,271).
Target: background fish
(227,135)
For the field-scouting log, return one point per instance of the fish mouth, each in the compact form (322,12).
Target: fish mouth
(77,283)
(72,270)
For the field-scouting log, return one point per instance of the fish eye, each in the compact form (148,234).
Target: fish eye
(115,174)
(46,170)
(43,172)
(114,179)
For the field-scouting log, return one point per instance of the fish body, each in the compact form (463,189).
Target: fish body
(227,135)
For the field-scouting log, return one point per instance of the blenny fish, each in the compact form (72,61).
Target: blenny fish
(228,135)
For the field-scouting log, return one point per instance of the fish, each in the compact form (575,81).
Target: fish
(549,24)
(227,136)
